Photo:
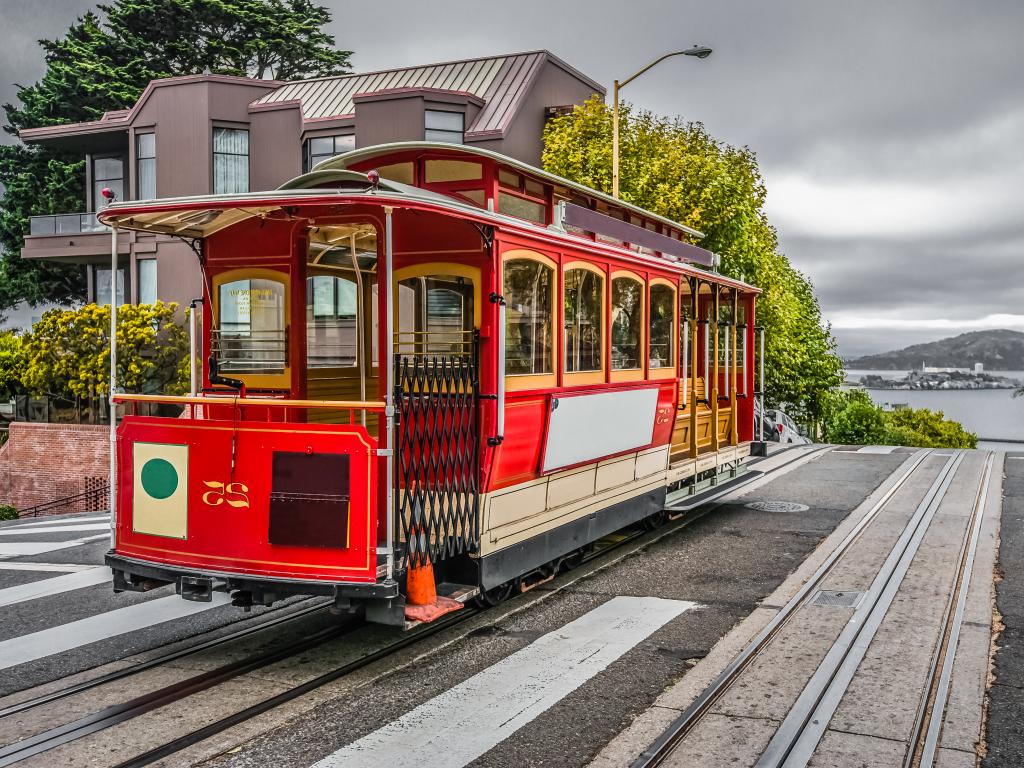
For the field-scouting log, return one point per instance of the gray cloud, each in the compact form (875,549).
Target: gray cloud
(889,133)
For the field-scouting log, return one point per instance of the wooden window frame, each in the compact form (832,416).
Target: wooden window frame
(671,371)
(580,378)
(523,381)
(261,380)
(628,374)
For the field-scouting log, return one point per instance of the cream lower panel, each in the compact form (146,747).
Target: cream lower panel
(682,470)
(511,504)
(742,450)
(615,472)
(571,486)
(704,463)
(494,540)
(726,455)
(651,462)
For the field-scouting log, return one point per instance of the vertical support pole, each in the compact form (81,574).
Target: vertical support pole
(692,400)
(113,385)
(501,373)
(685,364)
(193,384)
(725,378)
(361,357)
(734,432)
(714,370)
(389,392)
(760,394)
(615,139)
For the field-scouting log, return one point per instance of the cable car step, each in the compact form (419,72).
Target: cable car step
(690,501)
(459,592)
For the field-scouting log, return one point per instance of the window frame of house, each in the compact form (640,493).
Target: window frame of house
(308,162)
(444,135)
(215,154)
(145,161)
(98,184)
(121,292)
(147,270)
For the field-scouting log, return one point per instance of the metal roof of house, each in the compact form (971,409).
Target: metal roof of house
(501,82)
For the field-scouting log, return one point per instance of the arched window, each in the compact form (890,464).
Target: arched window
(528,289)
(583,301)
(661,330)
(627,323)
(249,335)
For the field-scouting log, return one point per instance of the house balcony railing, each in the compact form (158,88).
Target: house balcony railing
(65,224)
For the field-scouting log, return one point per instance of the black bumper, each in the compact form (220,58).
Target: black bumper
(132,575)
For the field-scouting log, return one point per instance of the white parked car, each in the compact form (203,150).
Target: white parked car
(785,429)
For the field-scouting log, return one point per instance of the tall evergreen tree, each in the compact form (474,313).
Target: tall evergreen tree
(102,63)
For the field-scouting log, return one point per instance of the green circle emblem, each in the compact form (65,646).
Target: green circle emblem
(159,478)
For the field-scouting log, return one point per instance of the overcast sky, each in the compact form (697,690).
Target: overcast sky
(891,134)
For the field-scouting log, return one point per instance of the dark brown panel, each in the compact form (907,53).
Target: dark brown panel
(592,221)
(309,500)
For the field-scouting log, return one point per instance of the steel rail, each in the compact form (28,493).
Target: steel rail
(140,705)
(797,737)
(120,674)
(924,741)
(663,745)
(119,713)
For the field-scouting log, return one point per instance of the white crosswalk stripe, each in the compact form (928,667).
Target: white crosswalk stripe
(460,725)
(98,574)
(75,634)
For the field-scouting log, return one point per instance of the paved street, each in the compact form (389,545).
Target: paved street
(587,669)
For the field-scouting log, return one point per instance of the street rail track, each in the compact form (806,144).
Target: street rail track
(795,740)
(119,713)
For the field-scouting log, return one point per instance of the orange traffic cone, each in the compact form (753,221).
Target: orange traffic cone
(421,600)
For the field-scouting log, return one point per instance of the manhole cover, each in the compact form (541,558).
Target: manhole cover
(836,598)
(777,506)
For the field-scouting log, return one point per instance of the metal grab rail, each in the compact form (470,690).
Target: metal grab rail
(338,405)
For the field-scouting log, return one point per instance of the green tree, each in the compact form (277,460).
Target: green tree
(676,169)
(12,363)
(102,63)
(68,351)
(851,418)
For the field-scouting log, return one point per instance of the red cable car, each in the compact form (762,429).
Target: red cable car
(426,364)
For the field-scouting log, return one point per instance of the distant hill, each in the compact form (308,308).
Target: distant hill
(998,350)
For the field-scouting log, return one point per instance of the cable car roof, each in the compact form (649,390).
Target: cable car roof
(360,155)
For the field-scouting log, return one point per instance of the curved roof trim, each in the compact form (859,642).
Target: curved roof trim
(342,162)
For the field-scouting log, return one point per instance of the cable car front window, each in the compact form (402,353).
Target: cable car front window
(250,335)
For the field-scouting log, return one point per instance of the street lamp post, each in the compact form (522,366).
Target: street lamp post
(700,51)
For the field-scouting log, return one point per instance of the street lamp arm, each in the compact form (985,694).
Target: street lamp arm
(656,62)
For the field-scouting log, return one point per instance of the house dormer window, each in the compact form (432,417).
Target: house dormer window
(230,161)
(320,148)
(448,127)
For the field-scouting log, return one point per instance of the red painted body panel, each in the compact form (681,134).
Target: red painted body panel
(231,539)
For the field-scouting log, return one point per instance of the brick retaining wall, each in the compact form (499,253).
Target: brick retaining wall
(43,462)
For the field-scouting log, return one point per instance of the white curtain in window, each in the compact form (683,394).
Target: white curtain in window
(230,161)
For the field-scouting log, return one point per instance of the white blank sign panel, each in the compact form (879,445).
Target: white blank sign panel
(588,427)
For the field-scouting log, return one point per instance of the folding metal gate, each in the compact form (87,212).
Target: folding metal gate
(437,456)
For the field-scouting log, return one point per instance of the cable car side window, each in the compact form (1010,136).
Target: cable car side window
(583,306)
(627,323)
(250,334)
(661,330)
(529,299)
